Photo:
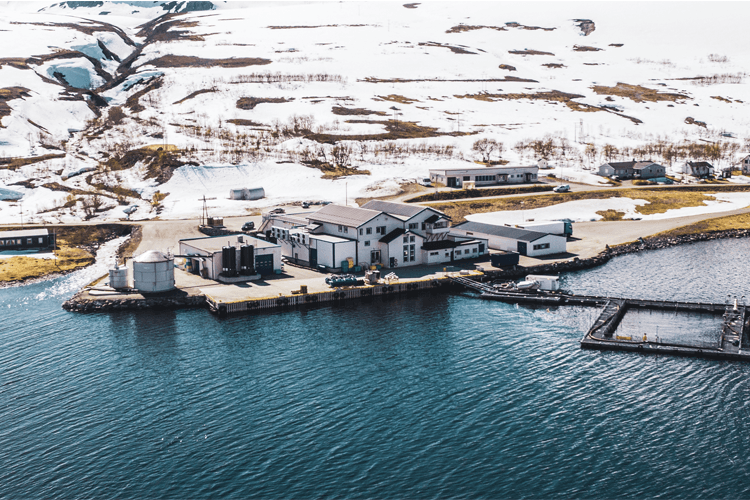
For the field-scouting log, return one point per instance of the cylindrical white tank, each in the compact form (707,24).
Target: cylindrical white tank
(153,271)
(118,277)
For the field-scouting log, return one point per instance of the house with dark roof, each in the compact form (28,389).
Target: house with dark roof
(698,169)
(508,238)
(632,170)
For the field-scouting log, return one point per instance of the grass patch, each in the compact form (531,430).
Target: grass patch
(739,221)
(692,121)
(133,102)
(507,67)
(659,200)
(461,28)
(14,163)
(722,99)
(638,93)
(550,96)
(21,268)
(195,94)
(478,193)
(553,65)
(396,98)
(611,215)
(339,110)
(530,52)
(452,48)
(172,61)
(334,171)
(585,48)
(245,123)
(395,130)
(160,164)
(248,103)
(8,94)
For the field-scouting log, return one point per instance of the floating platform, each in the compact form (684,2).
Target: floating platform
(727,342)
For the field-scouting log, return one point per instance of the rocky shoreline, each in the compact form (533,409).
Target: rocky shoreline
(79,304)
(652,243)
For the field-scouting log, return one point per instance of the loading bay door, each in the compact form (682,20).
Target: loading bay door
(264,264)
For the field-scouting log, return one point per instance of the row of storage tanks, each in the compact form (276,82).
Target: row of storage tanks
(153,271)
(246,262)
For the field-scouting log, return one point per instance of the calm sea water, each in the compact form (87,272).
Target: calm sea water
(431,396)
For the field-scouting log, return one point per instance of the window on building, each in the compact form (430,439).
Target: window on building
(29,241)
(412,253)
(346,229)
(541,246)
(485,178)
(367,243)
(406,239)
(467,177)
(434,254)
(467,251)
(368,230)
(341,229)
(41,240)
(413,225)
(380,230)
(412,239)
(361,231)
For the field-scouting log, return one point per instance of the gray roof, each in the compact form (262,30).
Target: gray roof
(392,208)
(502,231)
(630,165)
(344,216)
(22,233)
(214,244)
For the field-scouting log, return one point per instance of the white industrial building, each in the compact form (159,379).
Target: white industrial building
(484,176)
(523,241)
(380,233)
(205,256)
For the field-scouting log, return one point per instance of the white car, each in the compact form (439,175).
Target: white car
(562,189)
(425,182)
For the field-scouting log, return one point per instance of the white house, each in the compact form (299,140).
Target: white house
(383,233)
(523,241)
(745,165)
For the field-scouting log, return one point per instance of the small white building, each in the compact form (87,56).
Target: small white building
(523,241)
(204,255)
(484,176)
(745,165)
(255,193)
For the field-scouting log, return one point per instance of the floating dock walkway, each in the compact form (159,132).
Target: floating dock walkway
(730,340)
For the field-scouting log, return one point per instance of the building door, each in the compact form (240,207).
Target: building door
(452,182)
(375,257)
(264,264)
(481,248)
(522,247)
(313,257)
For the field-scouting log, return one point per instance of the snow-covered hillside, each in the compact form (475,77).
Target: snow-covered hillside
(320,100)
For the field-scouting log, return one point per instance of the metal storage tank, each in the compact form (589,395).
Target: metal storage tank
(153,271)
(229,261)
(118,277)
(247,260)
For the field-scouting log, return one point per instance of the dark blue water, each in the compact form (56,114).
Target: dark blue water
(432,396)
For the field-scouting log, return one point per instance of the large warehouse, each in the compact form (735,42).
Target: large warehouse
(484,176)
(523,241)
(206,256)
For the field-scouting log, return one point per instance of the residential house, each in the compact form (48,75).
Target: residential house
(745,165)
(697,168)
(632,170)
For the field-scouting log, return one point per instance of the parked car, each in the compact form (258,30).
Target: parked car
(277,211)
(562,189)
(305,204)
(425,182)
(248,226)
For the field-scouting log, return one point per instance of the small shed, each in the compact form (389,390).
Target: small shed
(26,239)
(255,193)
